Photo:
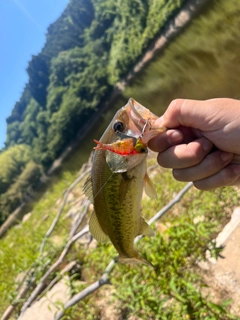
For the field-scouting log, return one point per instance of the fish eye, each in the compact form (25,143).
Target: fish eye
(118,126)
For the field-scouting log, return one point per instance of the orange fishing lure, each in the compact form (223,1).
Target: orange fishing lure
(123,147)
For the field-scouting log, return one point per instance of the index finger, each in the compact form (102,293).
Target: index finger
(184,112)
(165,140)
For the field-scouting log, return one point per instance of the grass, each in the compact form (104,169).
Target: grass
(173,290)
(20,247)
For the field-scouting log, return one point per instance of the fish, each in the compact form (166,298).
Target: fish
(118,177)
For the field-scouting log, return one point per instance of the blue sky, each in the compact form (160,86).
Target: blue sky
(23,26)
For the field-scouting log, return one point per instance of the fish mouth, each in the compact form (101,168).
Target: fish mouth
(135,116)
(143,119)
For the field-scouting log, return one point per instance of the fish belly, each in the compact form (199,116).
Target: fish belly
(117,203)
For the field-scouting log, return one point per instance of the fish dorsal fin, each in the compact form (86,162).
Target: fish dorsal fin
(87,188)
(96,230)
(145,229)
(149,187)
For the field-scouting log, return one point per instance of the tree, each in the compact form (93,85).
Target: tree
(12,163)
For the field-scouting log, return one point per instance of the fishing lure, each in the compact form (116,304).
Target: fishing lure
(125,147)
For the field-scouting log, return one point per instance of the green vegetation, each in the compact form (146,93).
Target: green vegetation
(88,49)
(20,247)
(19,174)
(175,290)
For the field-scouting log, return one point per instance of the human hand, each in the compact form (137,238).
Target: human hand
(203,142)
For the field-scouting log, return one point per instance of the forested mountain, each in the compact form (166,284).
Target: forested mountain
(88,49)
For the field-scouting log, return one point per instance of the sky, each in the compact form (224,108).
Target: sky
(23,27)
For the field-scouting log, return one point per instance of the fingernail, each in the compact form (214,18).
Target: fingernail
(236,169)
(226,156)
(207,145)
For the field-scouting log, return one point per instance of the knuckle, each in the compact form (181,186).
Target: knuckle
(176,104)
(214,161)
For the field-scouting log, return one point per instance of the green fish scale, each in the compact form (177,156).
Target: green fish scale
(117,219)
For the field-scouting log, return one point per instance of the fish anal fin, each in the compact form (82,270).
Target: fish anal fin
(87,188)
(96,230)
(145,229)
(149,187)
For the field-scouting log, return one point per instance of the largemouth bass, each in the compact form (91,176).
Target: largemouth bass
(117,180)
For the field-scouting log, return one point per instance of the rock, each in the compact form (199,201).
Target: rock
(225,272)
(45,308)
(227,232)
(229,228)
(72,213)
(57,240)
(26,217)
(198,219)
(86,241)
(58,201)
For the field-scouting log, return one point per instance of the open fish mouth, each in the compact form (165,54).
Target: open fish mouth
(135,116)
(144,120)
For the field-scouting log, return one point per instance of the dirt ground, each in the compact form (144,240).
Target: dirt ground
(223,275)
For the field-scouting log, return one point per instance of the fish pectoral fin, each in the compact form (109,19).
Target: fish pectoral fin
(96,230)
(87,188)
(145,229)
(149,187)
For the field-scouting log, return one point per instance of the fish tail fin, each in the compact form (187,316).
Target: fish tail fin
(135,260)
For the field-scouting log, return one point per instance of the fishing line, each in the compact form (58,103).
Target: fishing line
(144,127)
(107,180)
